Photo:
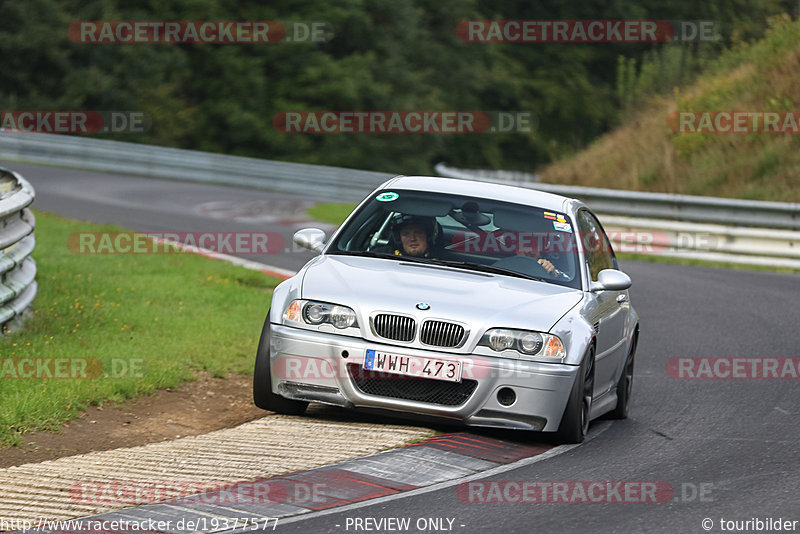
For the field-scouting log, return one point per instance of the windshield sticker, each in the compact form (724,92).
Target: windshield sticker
(561,218)
(562,226)
(549,215)
(387,197)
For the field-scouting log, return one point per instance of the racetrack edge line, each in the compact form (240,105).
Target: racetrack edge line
(556,451)
(271,270)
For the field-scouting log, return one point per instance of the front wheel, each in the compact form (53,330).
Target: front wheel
(263,397)
(625,385)
(575,422)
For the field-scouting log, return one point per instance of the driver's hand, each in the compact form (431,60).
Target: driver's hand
(547,264)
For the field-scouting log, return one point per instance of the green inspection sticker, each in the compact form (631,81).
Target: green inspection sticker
(387,197)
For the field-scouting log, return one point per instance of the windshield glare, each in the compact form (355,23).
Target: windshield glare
(484,234)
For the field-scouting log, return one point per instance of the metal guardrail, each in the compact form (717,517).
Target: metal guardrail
(691,227)
(343,184)
(776,224)
(709,242)
(17,269)
(714,210)
(332,183)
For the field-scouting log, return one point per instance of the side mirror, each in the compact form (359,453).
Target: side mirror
(612,280)
(310,238)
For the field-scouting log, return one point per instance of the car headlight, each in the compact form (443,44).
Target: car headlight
(309,312)
(525,342)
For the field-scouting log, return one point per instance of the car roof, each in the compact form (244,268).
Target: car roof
(457,186)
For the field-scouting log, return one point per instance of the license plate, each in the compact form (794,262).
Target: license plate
(433,368)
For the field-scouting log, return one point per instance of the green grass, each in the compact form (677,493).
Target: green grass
(175,314)
(330,212)
(645,154)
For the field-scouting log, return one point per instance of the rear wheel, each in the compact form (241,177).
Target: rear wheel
(575,422)
(262,382)
(625,385)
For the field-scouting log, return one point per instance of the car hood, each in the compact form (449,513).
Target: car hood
(479,299)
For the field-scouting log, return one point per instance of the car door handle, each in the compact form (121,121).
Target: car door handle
(622,298)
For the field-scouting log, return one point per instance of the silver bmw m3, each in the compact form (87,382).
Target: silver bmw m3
(478,303)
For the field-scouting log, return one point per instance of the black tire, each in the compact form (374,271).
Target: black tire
(575,422)
(263,397)
(625,384)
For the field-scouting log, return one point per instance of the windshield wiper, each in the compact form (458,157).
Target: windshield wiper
(489,269)
(387,255)
(447,263)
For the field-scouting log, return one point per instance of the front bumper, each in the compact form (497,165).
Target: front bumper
(311,366)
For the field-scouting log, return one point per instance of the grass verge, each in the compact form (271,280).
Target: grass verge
(152,320)
(330,212)
(648,154)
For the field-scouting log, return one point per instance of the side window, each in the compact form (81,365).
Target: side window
(596,246)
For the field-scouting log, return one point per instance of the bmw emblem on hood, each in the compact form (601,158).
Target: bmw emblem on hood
(423,306)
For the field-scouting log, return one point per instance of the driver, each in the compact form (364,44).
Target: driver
(413,235)
(541,255)
(546,264)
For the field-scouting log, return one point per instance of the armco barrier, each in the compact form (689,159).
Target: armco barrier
(727,211)
(17,268)
(775,238)
(713,229)
(709,242)
(342,184)
(189,165)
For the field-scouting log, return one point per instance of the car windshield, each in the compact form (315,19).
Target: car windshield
(464,232)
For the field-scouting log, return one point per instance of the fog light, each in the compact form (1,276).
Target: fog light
(506,396)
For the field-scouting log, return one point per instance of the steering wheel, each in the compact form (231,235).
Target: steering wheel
(523,264)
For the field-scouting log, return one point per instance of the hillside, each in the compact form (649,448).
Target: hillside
(403,55)
(646,154)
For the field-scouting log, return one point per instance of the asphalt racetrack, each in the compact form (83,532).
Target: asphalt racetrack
(728,448)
